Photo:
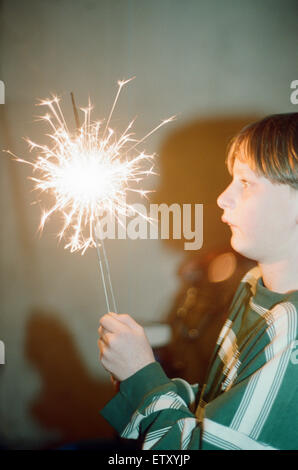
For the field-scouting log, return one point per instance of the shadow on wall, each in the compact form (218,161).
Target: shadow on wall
(70,399)
(192,171)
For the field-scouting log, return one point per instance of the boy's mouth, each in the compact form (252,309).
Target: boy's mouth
(227,222)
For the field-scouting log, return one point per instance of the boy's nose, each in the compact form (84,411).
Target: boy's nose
(225,199)
(221,200)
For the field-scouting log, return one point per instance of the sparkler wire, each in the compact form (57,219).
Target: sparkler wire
(100,248)
(105,274)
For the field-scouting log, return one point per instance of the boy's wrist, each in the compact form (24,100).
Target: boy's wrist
(118,411)
(135,387)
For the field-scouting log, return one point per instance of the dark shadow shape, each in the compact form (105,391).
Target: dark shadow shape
(70,399)
(192,171)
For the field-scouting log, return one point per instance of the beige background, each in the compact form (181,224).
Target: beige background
(216,65)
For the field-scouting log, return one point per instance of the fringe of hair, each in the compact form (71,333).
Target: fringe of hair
(269,147)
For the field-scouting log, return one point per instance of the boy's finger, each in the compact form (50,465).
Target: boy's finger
(125,318)
(101,347)
(105,338)
(110,323)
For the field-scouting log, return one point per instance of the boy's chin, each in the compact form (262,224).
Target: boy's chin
(242,249)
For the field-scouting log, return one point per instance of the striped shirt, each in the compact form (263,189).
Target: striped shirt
(250,399)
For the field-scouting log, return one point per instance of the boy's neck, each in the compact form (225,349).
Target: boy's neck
(281,276)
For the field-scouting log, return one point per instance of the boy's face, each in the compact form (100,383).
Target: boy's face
(264,216)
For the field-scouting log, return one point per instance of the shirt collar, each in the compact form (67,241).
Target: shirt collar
(268,298)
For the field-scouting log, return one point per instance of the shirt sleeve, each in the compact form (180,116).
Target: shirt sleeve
(146,395)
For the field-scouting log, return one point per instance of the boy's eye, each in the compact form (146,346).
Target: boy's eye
(244,183)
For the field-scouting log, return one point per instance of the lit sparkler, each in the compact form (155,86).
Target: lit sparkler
(89,172)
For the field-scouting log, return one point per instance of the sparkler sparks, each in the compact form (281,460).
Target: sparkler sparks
(89,171)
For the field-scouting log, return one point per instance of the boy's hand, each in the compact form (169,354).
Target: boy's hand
(123,344)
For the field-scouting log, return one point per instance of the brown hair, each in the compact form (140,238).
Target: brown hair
(269,147)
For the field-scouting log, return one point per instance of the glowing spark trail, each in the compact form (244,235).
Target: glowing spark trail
(89,171)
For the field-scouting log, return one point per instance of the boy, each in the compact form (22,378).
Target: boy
(249,400)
